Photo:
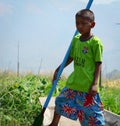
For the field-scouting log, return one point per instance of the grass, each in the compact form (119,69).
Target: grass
(110,95)
(19,97)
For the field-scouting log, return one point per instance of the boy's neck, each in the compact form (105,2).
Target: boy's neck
(86,37)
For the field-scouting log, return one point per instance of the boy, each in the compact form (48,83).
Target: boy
(79,99)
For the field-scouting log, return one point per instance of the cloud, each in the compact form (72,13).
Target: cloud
(101,1)
(33,8)
(5,9)
(105,1)
(63,6)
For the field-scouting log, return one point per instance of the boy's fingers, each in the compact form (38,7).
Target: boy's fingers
(92,93)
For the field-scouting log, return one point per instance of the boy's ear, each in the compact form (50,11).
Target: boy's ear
(92,24)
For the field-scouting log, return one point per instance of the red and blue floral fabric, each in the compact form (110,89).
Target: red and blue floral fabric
(80,105)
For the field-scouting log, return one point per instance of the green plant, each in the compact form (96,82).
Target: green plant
(111,99)
(19,97)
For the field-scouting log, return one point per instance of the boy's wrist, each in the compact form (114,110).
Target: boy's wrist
(94,83)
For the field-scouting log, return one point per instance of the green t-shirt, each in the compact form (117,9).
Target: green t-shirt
(85,55)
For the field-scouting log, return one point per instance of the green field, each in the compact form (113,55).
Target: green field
(19,96)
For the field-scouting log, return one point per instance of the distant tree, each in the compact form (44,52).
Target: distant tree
(113,75)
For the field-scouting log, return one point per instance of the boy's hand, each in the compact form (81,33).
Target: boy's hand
(93,90)
(55,75)
(56,71)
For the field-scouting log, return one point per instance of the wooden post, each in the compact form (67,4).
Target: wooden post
(18,61)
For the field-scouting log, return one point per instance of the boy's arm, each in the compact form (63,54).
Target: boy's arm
(67,63)
(70,59)
(93,88)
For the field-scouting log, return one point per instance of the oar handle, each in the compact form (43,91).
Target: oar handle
(89,4)
(63,64)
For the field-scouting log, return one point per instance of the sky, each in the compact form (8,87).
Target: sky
(44,30)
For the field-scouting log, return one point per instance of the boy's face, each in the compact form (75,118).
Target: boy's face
(84,25)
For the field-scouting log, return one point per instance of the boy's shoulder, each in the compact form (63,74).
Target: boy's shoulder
(96,42)
(93,40)
(96,38)
(76,37)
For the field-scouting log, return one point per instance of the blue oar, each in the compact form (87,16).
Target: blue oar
(39,119)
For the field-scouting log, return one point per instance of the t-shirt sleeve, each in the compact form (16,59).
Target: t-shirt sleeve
(71,52)
(98,50)
(72,48)
(73,45)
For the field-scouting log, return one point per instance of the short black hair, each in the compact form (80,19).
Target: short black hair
(86,13)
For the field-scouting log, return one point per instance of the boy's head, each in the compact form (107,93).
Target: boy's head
(86,14)
(84,21)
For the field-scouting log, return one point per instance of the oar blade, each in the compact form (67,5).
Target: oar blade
(39,119)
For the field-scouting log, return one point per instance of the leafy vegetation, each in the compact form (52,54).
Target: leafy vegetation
(110,95)
(19,96)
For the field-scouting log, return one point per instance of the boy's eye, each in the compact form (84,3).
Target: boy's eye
(77,22)
(82,23)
